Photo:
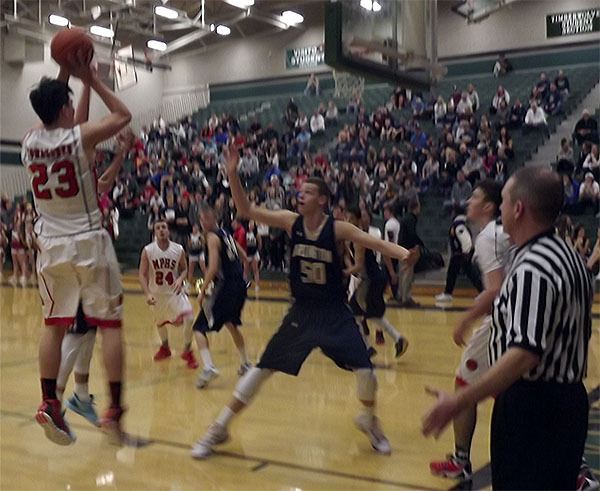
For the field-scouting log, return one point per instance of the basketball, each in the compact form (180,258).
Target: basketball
(67,42)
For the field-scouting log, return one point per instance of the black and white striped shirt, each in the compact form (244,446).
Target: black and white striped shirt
(544,306)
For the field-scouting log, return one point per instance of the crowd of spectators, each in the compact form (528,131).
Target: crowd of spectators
(384,158)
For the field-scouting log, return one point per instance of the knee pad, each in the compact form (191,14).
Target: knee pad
(249,384)
(366,384)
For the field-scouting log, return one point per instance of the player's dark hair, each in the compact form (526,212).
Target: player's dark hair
(355,212)
(492,192)
(48,98)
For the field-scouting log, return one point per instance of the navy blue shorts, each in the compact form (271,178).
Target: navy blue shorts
(367,300)
(331,328)
(225,306)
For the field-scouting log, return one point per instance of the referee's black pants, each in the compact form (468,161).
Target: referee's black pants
(538,434)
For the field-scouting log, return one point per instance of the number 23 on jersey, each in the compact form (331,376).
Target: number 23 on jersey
(66,176)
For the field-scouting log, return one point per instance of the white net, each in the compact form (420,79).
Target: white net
(348,85)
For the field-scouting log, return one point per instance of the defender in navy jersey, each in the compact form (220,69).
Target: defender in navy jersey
(224,306)
(368,284)
(319,316)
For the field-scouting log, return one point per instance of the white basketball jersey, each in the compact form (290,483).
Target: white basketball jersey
(63,182)
(163,270)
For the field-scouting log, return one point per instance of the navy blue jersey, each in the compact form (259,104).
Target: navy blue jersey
(230,268)
(372,266)
(315,265)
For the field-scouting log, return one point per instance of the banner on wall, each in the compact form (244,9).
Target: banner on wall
(572,23)
(309,56)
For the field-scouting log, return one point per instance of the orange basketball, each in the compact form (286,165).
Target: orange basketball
(67,42)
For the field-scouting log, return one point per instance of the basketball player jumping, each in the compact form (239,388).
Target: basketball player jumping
(319,316)
(77,261)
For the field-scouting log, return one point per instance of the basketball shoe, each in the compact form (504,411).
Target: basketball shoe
(83,408)
(215,435)
(162,353)
(111,424)
(452,468)
(50,418)
(207,374)
(401,346)
(371,427)
(190,359)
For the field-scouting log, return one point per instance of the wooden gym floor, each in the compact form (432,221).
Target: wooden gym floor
(297,435)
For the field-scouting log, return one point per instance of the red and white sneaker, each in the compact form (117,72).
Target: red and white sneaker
(111,424)
(451,468)
(379,339)
(586,480)
(190,359)
(163,353)
(49,417)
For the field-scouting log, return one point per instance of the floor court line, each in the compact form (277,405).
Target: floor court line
(261,462)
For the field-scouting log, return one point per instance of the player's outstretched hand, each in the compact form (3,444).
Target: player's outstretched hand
(232,155)
(439,416)
(459,333)
(150,300)
(80,66)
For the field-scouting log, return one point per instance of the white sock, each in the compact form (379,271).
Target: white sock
(82,391)
(206,358)
(163,334)
(225,416)
(384,324)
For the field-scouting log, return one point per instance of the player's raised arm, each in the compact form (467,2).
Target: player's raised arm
(347,231)
(283,219)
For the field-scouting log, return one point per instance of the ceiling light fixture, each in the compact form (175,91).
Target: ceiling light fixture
(241,4)
(96,12)
(290,17)
(157,45)
(166,12)
(371,5)
(104,32)
(58,20)
(223,30)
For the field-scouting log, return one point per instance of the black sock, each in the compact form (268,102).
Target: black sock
(115,393)
(48,388)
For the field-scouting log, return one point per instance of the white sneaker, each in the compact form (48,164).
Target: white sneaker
(443,297)
(23,281)
(206,376)
(371,427)
(215,435)
(13,280)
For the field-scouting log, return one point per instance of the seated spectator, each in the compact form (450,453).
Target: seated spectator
(331,115)
(542,86)
(301,123)
(592,162)
(419,138)
(504,145)
(430,174)
(562,84)
(489,161)
(517,114)
(589,193)
(464,134)
(463,104)
(566,151)
(461,192)
(473,97)
(586,129)
(249,168)
(502,66)
(388,132)
(580,241)
(553,104)
(473,167)
(502,114)
(353,104)
(439,111)
(312,85)
(484,135)
(571,190)
(417,105)
(535,118)
(317,124)
(501,94)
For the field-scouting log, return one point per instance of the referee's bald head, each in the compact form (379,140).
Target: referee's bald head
(541,190)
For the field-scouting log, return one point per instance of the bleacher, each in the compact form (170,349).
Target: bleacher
(267,102)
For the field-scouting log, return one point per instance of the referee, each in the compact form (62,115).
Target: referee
(538,347)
